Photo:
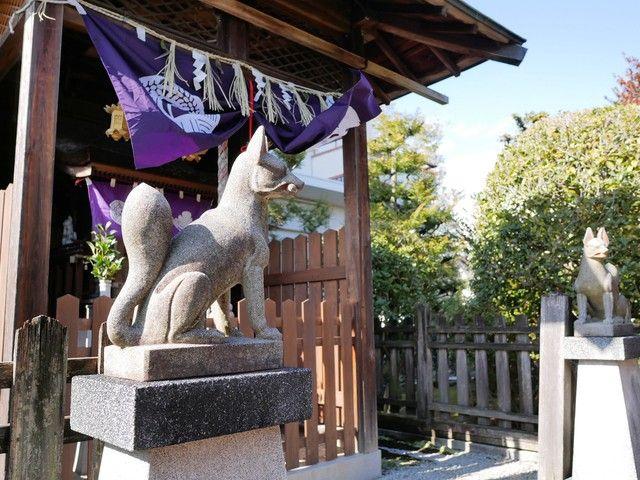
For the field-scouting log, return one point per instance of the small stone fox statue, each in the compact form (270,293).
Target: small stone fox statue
(597,285)
(172,281)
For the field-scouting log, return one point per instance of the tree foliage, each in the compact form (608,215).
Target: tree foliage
(414,246)
(312,215)
(628,88)
(559,176)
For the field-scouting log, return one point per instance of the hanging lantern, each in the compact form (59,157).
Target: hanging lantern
(195,157)
(118,128)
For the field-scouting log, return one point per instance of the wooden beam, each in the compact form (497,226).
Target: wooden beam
(418,9)
(391,54)
(28,266)
(446,61)
(359,280)
(317,44)
(455,28)
(401,81)
(279,27)
(315,15)
(411,30)
(104,170)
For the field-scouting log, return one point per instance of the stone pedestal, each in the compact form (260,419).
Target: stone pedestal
(253,455)
(601,329)
(607,415)
(171,361)
(216,426)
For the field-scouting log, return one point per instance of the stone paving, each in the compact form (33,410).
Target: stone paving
(461,466)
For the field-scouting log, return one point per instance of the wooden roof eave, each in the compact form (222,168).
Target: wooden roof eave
(320,45)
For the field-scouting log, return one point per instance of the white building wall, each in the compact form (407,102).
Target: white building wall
(321,171)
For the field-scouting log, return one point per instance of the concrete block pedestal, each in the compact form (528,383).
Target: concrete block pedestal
(224,426)
(607,414)
(252,455)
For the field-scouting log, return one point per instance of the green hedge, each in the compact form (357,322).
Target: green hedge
(561,175)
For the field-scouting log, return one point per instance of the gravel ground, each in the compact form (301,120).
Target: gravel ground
(461,466)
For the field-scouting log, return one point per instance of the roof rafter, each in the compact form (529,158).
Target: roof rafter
(314,14)
(278,27)
(411,30)
(391,54)
(446,61)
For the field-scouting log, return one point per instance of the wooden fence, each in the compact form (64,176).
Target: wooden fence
(319,337)
(463,380)
(307,267)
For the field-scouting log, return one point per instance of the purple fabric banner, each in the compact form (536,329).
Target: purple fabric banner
(106,206)
(166,123)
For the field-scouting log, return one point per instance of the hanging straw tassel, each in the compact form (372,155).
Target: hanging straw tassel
(238,90)
(209,87)
(42,11)
(306,114)
(323,102)
(270,103)
(170,71)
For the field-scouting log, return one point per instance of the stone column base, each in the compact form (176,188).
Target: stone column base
(253,455)
(607,424)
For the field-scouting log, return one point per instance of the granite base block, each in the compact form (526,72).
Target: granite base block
(601,348)
(139,415)
(254,455)
(601,329)
(174,361)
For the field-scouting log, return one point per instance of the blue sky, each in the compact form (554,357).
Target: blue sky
(575,49)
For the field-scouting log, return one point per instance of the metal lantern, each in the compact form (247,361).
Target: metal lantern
(118,128)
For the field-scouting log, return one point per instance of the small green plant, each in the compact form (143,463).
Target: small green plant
(105,259)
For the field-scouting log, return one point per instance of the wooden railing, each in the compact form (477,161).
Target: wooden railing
(464,380)
(318,337)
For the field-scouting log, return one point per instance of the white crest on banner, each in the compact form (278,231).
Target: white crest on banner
(181,107)
(115,211)
(199,75)
(350,120)
(182,220)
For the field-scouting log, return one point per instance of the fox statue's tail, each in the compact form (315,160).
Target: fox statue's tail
(147,224)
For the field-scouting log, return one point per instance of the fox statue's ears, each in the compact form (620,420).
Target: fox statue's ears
(258,144)
(258,148)
(602,235)
(588,236)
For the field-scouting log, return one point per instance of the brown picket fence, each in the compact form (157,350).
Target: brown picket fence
(459,379)
(320,338)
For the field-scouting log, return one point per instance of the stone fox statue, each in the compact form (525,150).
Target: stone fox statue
(597,285)
(172,282)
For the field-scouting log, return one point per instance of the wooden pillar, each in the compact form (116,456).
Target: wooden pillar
(358,265)
(28,267)
(232,38)
(555,411)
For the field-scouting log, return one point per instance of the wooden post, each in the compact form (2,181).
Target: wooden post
(28,267)
(462,369)
(37,401)
(425,366)
(482,373)
(525,384)
(556,403)
(358,267)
